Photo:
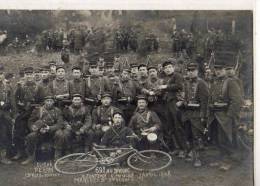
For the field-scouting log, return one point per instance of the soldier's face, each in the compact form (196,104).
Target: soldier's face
(142,104)
(192,73)
(168,69)
(134,70)
(106,101)
(125,75)
(76,74)
(29,76)
(142,71)
(45,74)
(37,76)
(60,73)
(93,71)
(153,73)
(220,72)
(2,76)
(49,103)
(117,120)
(53,69)
(76,101)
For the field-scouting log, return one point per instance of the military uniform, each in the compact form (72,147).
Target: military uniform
(40,118)
(225,103)
(25,96)
(102,115)
(124,93)
(6,109)
(141,120)
(77,86)
(79,118)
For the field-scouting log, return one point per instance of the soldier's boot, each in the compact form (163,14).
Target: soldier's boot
(3,158)
(28,160)
(197,161)
(18,155)
(57,154)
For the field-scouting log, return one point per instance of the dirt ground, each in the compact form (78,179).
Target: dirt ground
(180,173)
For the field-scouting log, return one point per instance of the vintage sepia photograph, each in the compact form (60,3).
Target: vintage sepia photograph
(126,97)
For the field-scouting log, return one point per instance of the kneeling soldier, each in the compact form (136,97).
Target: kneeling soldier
(44,124)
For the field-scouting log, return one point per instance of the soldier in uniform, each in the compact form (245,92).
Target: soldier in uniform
(52,66)
(43,124)
(194,112)
(101,116)
(6,109)
(224,105)
(59,87)
(144,121)
(26,95)
(171,88)
(77,133)
(77,85)
(96,85)
(143,75)
(134,72)
(37,76)
(118,136)
(124,92)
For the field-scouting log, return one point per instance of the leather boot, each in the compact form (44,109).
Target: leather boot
(3,158)
(18,155)
(29,160)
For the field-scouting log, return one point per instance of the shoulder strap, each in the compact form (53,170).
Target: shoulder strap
(41,112)
(98,111)
(148,116)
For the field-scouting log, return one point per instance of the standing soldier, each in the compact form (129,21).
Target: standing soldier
(43,124)
(95,86)
(143,75)
(25,98)
(102,115)
(124,92)
(52,67)
(59,87)
(195,112)
(5,117)
(77,85)
(225,102)
(144,122)
(171,88)
(77,133)
(134,72)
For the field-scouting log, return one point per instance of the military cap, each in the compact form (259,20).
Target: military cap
(142,65)
(118,112)
(60,66)
(141,97)
(117,70)
(127,70)
(93,65)
(28,70)
(167,62)
(52,63)
(37,70)
(152,67)
(192,66)
(49,97)
(107,94)
(76,95)
(134,65)
(75,68)
(109,65)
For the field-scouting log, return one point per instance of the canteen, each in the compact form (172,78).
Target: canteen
(152,137)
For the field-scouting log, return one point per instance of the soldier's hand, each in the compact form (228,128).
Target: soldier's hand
(34,128)
(151,93)
(98,126)
(82,130)
(162,87)
(68,127)
(43,130)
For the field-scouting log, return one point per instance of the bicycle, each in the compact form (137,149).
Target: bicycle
(145,160)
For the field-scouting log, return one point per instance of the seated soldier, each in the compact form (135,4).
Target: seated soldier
(101,117)
(145,122)
(78,123)
(43,123)
(118,135)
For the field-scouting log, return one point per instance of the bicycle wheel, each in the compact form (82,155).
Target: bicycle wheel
(76,163)
(149,160)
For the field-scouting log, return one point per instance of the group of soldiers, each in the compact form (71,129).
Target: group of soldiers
(115,107)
